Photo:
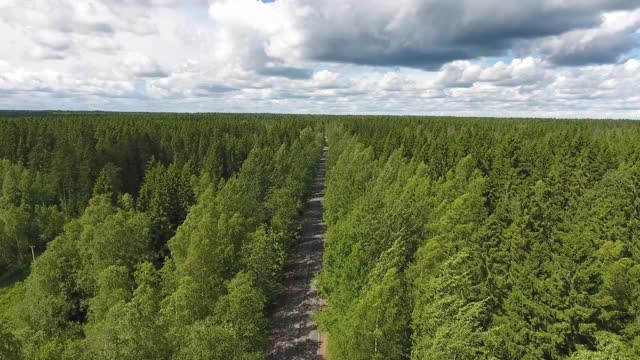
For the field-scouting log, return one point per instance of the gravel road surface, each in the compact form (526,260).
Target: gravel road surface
(294,334)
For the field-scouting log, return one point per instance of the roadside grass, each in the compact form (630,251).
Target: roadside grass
(11,293)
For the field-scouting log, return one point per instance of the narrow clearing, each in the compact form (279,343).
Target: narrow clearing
(294,334)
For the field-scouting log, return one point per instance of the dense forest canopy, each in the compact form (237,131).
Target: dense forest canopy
(476,239)
(164,236)
(157,236)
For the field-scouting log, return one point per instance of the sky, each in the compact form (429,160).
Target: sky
(525,58)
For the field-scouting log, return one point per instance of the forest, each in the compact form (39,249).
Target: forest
(156,237)
(165,236)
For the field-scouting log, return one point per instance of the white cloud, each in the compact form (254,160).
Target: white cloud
(462,57)
(605,43)
(259,36)
(68,16)
(140,65)
(415,33)
(519,72)
(56,84)
(53,40)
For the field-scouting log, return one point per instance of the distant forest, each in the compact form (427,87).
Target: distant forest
(165,236)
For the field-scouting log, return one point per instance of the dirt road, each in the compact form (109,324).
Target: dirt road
(294,334)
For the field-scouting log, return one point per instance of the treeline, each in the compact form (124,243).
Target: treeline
(160,236)
(476,239)
(58,161)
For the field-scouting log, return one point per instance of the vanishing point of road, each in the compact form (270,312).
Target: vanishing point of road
(294,334)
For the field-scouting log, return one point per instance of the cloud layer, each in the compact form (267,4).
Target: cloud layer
(460,57)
